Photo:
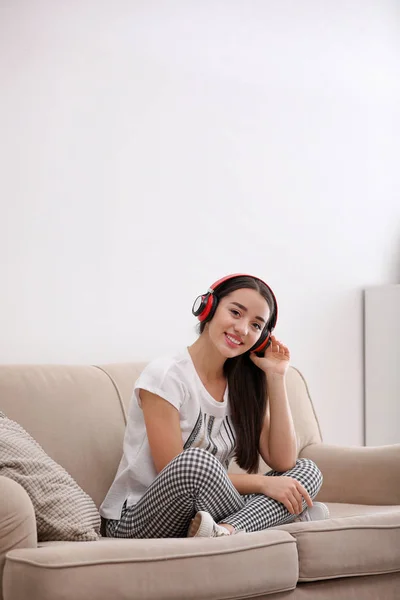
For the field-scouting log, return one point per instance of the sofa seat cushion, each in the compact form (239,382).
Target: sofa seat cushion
(366,544)
(234,567)
(337,509)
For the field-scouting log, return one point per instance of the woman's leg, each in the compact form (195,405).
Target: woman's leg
(193,481)
(261,512)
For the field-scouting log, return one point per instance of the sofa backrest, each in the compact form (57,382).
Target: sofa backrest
(78,414)
(74,412)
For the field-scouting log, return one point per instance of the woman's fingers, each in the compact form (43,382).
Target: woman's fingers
(296,496)
(298,502)
(278,346)
(304,493)
(290,504)
(290,492)
(293,502)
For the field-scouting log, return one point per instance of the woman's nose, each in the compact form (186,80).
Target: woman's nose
(242,328)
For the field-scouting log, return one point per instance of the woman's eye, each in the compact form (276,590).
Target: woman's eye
(235,312)
(257,326)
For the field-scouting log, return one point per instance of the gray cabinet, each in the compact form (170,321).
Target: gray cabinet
(382,365)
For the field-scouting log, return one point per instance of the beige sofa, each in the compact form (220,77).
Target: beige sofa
(77,413)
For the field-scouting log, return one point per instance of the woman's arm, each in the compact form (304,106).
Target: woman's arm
(278,445)
(163,428)
(247,484)
(286,490)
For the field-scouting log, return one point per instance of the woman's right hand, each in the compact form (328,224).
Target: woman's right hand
(286,490)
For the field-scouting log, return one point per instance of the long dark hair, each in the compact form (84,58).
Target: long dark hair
(247,383)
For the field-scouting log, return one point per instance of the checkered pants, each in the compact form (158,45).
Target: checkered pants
(195,480)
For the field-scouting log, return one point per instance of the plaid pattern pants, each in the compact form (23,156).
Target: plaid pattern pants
(195,480)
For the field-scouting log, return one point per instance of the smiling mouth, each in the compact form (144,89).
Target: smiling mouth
(233,341)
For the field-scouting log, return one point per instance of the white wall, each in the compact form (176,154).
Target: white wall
(149,148)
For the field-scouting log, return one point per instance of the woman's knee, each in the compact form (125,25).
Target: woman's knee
(195,461)
(310,474)
(197,455)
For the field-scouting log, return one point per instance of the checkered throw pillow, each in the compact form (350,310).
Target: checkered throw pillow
(63,510)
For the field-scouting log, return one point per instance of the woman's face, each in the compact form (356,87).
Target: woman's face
(238,322)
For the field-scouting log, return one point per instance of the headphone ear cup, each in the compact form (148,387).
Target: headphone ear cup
(210,304)
(262,344)
(213,307)
(199,305)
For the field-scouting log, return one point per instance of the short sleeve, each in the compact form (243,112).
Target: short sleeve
(160,378)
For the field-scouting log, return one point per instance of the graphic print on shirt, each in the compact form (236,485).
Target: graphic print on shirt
(214,435)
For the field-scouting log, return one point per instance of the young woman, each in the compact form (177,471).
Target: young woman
(222,397)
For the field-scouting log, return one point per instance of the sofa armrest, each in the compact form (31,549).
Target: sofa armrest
(17,520)
(357,475)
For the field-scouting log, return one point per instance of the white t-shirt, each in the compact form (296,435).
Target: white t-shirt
(205,423)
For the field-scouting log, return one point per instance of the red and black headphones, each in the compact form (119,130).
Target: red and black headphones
(205,306)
